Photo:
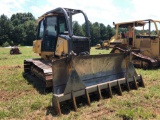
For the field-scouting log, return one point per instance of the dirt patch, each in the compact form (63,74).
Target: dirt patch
(157,108)
(100,111)
(5,95)
(157,111)
(10,67)
(14,67)
(39,115)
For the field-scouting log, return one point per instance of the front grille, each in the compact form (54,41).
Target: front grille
(80,45)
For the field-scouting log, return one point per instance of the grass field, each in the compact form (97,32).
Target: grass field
(20,100)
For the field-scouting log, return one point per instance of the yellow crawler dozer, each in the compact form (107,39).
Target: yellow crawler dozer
(144,41)
(67,66)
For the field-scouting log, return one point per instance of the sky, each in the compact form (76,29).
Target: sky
(102,11)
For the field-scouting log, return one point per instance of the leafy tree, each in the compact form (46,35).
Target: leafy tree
(99,32)
(110,32)
(95,33)
(30,27)
(77,29)
(5,29)
(24,28)
(21,18)
(103,31)
(19,34)
(5,44)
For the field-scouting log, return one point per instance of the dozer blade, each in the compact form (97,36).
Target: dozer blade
(81,75)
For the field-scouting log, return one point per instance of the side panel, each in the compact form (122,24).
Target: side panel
(145,47)
(61,47)
(155,47)
(149,46)
(137,42)
(145,43)
(37,46)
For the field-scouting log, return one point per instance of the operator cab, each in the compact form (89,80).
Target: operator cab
(49,29)
(55,35)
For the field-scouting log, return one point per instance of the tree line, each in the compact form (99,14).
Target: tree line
(99,31)
(20,29)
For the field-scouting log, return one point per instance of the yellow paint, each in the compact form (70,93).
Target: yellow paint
(37,49)
(137,42)
(43,16)
(152,51)
(155,47)
(47,55)
(37,46)
(61,47)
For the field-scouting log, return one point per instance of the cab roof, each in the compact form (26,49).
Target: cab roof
(134,23)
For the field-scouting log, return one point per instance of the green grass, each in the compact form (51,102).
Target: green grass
(99,51)
(20,100)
